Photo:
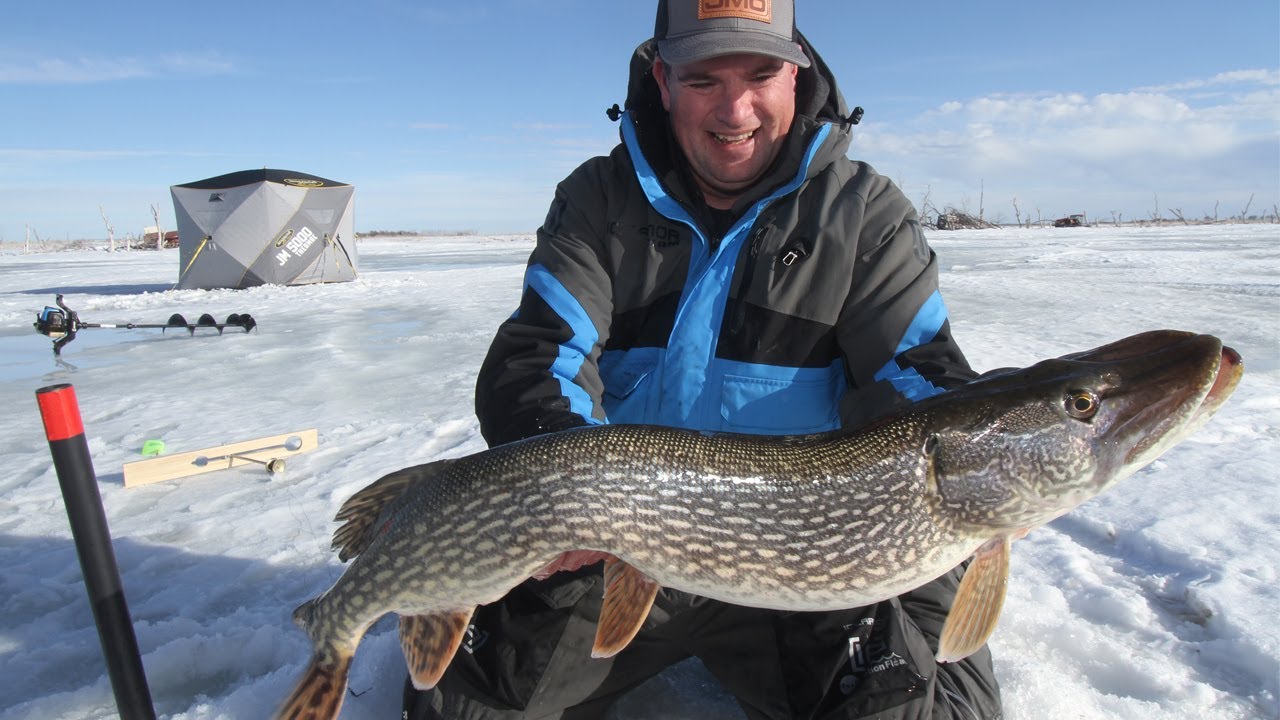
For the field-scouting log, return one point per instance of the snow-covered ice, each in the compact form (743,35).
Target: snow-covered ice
(1158,599)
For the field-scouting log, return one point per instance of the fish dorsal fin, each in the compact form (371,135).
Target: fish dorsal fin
(363,511)
(628,595)
(977,604)
(429,643)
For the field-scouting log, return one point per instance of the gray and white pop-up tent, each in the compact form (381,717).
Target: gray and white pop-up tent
(260,227)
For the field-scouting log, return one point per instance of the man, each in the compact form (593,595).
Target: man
(726,268)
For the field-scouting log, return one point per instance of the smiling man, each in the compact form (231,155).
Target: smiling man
(729,115)
(726,268)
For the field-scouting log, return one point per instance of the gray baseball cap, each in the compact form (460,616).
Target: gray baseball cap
(692,30)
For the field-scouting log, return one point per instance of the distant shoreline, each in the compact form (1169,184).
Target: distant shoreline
(9,247)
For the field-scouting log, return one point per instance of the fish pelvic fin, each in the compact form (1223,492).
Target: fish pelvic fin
(430,642)
(978,602)
(320,692)
(364,514)
(628,596)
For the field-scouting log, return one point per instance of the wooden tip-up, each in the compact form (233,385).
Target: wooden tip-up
(268,451)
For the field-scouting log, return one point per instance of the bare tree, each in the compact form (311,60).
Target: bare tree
(1244,214)
(982,197)
(926,205)
(155,214)
(1177,213)
(1017,215)
(33,233)
(111,231)
(952,219)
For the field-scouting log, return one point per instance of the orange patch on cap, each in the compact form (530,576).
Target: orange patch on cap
(761,10)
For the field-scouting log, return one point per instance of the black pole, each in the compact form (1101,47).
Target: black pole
(70,449)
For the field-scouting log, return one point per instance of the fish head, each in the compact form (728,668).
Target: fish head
(1018,448)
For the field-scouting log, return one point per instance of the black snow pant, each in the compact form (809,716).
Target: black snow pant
(528,656)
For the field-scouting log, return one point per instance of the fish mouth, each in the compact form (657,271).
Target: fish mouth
(1230,370)
(1165,385)
(1226,376)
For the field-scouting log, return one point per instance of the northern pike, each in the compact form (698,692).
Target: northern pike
(814,522)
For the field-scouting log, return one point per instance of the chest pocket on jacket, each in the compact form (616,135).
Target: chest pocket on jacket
(782,401)
(626,376)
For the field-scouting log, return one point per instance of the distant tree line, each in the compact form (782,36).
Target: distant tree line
(953,217)
(414,233)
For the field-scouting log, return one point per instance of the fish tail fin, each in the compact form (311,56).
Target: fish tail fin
(321,690)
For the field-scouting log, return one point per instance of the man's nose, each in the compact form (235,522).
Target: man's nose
(736,107)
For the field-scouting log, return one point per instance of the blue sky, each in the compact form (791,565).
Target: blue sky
(465,116)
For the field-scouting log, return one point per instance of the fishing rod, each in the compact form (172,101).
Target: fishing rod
(62,323)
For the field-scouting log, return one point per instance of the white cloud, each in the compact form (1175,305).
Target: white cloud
(86,70)
(78,70)
(1065,147)
(549,127)
(205,63)
(1257,76)
(56,154)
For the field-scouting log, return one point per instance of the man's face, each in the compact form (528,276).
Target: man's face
(730,115)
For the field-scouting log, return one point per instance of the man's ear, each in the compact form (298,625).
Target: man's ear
(660,76)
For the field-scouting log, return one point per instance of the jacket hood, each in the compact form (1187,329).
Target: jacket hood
(818,102)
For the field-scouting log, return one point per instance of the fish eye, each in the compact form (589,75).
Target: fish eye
(1081,404)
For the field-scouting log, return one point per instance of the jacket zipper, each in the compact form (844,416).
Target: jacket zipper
(749,271)
(794,254)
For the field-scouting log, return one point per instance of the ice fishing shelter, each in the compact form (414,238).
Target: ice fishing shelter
(259,227)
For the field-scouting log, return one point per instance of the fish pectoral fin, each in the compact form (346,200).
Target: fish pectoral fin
(628,595)
(429,643)
(978,602)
